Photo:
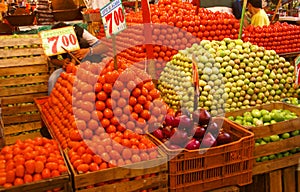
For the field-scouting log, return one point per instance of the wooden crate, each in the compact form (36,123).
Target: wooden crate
(62,181)
(23,76)
(280,180)
(274,147)
(159,182)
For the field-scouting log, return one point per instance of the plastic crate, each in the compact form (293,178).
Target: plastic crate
(220,166)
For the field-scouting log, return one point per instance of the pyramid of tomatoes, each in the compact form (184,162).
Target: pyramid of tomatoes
(101,114)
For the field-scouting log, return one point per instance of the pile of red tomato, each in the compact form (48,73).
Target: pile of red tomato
(29,161)
(281,37)
(100,114)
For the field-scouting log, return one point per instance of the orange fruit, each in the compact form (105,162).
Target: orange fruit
(94,167)
(83,168)
(105,122)
(10,176)
(20,171)
(87,158)
(138,108)
(18,181)
(126,154)
(46,173)
(136,92)
(102,96)
(30,166)
(121,102)
(108,113)
(107,87)
(28,178)
(125,93)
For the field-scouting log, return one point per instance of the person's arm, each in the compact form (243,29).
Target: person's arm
(98,49)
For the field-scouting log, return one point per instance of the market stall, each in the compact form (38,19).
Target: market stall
(180,102)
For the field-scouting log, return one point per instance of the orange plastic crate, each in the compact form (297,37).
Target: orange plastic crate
(220,166)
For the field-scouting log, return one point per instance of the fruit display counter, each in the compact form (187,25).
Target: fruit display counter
(111,116)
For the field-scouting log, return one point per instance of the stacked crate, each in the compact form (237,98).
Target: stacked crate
(23,76)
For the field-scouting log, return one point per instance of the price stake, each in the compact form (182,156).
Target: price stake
(297,71)
(53,40)
(113,18)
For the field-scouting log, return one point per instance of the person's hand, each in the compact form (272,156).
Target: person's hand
(81,53)
(65,63)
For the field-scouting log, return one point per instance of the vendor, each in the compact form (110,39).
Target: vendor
(91,49)
(256,15)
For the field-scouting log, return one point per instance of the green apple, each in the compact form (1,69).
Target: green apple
(285,136)
(271,157)
(263,142)
(295,133)
(258,159)
(267,139)
(256,113)
(274,138)
(286,154)
(267,118)
(264,158)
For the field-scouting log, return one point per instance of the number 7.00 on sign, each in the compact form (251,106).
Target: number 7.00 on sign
(113,18)
(53,40)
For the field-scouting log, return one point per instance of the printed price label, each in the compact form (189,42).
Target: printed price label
(53,40)
(113,18)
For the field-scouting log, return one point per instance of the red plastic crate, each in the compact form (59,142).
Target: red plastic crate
(225,165)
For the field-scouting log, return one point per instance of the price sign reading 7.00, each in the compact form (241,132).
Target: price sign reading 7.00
(113,18)
(53,40)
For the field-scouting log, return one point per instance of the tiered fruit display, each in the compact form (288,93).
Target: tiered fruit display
(281,37)
(188,130)
(29,161)
(233,75)
(100,114)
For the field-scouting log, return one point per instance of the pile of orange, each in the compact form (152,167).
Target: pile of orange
(101,114)
(29,161)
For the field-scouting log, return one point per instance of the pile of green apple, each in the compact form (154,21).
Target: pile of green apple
(278,155)
(274,138)
(232,75)
(262,117)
